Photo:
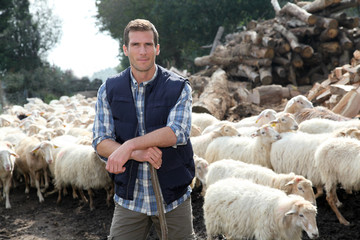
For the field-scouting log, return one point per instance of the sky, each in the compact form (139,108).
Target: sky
(82,47)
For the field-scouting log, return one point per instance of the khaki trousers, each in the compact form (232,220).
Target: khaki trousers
(131,225)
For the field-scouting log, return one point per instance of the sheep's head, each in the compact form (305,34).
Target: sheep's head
(296,103)
(300,186)
(45,149)
(303,214)
(265,116)
(285,122)
(7,159)
(267,132)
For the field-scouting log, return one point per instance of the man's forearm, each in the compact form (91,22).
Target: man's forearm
(163,137)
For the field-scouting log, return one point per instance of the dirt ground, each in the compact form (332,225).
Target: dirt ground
(30,220)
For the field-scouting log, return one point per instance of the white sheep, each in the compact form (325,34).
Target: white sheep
(284,122)
(295,104)
(200,143)
(289,183)
(7,162)
(294,152)
(200,171)
(264,117)
(80,166)
(195,131)
(34,157)
(322,125)
(202,120)
(338,162)
(318,112)
(254,149)
(241,209)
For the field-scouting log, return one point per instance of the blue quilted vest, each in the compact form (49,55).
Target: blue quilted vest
(177,169)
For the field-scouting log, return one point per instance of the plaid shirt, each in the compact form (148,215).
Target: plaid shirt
(179,120)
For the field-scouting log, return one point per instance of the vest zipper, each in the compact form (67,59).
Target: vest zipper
(131,166)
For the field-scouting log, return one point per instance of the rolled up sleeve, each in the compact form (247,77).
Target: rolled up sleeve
(103,127)
(179,119)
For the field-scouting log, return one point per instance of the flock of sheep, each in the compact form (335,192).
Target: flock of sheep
(51,141)
(258,175)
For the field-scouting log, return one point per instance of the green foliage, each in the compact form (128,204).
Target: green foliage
(183,25)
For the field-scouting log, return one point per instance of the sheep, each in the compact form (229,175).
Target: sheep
(34,157)
(289,183)
(294,152)
(241,209)
(202,120)
(254,149)
(195,131)
(297,103)
(322,125)
(7,161)
(200,171)
(80,166)
(338,162)
(200,143)
(264,117)
(284,122)
(318,112)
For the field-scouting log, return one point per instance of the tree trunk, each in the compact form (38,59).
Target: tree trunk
(215,99)
(319,5)
(299,13)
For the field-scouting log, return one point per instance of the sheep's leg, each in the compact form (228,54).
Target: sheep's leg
(37,184)
(82,195)
(46,177)
(27,182)
(331,199)
(319,192)
(51,193)
(91,194)
(338,203)
(59,196)
(65,191)
(74,194)
(109,194)
(6,186)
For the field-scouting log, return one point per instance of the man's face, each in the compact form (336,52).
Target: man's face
(141,50)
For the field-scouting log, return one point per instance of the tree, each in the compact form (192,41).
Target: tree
(183,25)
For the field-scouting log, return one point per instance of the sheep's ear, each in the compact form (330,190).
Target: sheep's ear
(35,149)
(273,123)
(14,154)
(291,212)
(290,183)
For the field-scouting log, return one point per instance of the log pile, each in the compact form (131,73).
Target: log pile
(340,92)
(300,46)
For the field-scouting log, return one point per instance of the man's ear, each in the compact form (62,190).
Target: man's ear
(125,50)
(158,49)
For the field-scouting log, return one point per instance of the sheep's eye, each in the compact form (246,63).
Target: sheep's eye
(300,188)
(301,215)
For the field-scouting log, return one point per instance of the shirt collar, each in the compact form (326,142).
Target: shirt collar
(134,82)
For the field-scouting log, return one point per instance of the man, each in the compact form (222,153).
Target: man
(143,116)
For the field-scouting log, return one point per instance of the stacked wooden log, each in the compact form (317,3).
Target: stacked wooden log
(340,92)
(300,46)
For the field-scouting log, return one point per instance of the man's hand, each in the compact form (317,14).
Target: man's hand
(122,154)
(116,160)
(153,155)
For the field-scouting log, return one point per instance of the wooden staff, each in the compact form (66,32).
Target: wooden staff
(159,203)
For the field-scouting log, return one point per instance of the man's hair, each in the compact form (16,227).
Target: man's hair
(140,25)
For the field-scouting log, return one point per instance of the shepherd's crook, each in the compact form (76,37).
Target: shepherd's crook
(159,204)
